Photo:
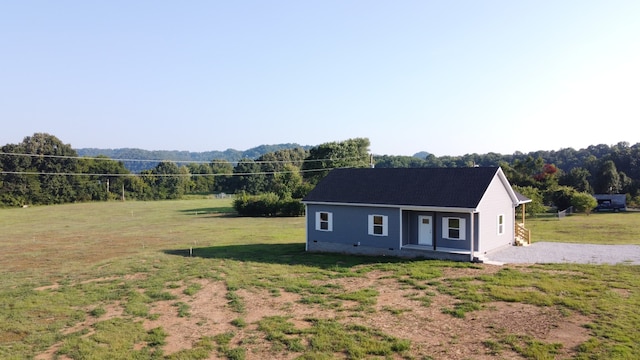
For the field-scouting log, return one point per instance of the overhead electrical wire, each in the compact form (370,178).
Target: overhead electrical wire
(158,175)
(175,161)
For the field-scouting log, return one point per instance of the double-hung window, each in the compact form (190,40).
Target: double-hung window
(453,228)
(378,225)
(500,224)
(324,221)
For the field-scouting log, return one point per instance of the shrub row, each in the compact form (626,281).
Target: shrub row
(268,204)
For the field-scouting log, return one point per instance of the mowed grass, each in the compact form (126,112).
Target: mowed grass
(50,241)
(597,228)
(67,265)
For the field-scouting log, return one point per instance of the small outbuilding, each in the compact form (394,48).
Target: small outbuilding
(442,213)
(611,202)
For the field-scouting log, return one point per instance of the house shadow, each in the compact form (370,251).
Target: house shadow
(282,254)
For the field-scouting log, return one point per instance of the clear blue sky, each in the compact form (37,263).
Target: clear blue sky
(447,77)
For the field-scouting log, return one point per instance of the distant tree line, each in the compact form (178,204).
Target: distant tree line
(43,170)
(554,177)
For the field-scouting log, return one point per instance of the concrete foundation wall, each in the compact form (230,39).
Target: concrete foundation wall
(372,251)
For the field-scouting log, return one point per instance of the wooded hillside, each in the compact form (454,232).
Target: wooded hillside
(135,165)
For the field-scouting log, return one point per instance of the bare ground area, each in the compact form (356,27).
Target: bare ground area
(432,333)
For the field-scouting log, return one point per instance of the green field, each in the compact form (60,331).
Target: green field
(596,228)
(190,280)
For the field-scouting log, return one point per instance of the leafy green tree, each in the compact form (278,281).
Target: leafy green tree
(626,183)
(202,179)
(274,164)
(56,165)
(536,206)
(388,161)
(578,178)
(323,158)
(223,183)
(608,179)
(288,183)
(248,177)
(521,173)
(548,176)
(103,180)
(167,180)
(583,202)
(53,165)
(137,188)
(561,196)
(277,160)
(433,161)
(15,187)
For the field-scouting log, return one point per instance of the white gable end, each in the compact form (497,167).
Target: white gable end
(497,214)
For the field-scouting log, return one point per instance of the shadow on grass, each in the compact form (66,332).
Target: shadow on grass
(283,254)
(227,210)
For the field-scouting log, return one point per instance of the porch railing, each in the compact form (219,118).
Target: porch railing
(523,235)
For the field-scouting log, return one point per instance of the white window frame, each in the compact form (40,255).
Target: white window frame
(462,229)
(320,221)
(384,225)
(501,224)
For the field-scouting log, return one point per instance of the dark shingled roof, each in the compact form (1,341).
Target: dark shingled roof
(437,187)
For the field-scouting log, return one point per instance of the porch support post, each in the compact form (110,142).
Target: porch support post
(401,225)
(306,227)
(472,236)
(523,212)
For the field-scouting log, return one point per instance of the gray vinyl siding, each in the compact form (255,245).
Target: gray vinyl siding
(410,229)
(441,241)
(495,201)
(351,226)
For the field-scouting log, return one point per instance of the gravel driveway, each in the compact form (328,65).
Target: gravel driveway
(547,252)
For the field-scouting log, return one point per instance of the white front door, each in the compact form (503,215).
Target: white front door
(425,230)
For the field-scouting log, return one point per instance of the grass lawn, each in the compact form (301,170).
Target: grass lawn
(598,228)
(190,280)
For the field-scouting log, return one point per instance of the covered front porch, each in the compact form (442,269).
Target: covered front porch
(522,234)
(433,232)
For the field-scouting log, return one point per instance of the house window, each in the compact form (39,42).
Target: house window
(324,221)
(378,225)
(453,228)
(500,224)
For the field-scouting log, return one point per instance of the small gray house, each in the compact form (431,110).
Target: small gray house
(442,213)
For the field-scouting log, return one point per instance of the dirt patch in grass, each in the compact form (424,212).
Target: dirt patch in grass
(110,311)
(398,310)
(433,333)
(207,315)
(545,324)
(624,293)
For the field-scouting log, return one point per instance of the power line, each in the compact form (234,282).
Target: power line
(158,175)
(177,161)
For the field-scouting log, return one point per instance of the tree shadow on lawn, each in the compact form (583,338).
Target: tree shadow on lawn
(225,210)
(283,254)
